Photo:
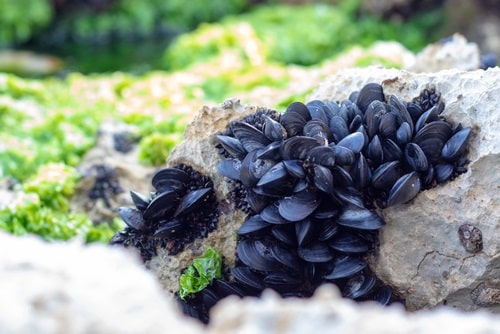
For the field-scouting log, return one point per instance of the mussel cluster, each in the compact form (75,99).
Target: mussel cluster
(311,177)
(182,208)
(106,184)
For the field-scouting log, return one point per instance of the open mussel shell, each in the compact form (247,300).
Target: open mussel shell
(233,146)
(359,285)
(249,136)
(345,266)
(169,179)
(255,254)
(405,189)
(162,205)
(141,202)
(298,206)
(360,218)
(192,201)
(456,145)
(132,217)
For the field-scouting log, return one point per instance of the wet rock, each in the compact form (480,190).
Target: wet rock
(326,312)
(420,254)
(73,288)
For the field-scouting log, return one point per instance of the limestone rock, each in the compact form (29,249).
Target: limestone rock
(73,288)
(326,312)
(420,254)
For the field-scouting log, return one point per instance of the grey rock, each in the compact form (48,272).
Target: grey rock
(76,288)
(420,254)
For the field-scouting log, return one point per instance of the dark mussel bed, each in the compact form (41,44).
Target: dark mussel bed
(309,180)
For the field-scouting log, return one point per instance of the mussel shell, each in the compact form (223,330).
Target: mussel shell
(317,129)
(168,179)
(252,169)
(162,205)
(141,202)
(369,93)
(346,242)
(405,189)
(354,142)
(294,118)
(318,111)
(323,155)
(383,295)
(415,158)
(391,150)
(285,234)
(305,231)
(359,285)
(431,139)
(132,217)
(443,172)
(344,156)
(323,179)
(256,201)
(360,218)
(372,117)
(327,230)
(345,266)
(316,252)
(233,146)
(270,152)
(272,215)
(456,145)
(255,254)
(248,278)
(297,147)
(169,228)
(274,177)
(428,116)
(281,281)
(230,168)
(249,136)
(298,206)
(386,175)
(273,130)
(338,127)
(403,133)
(294,168)
(192,201)
(253,224)
(387,126)
(361,173)
(374,151)
(402,111)
(286,257)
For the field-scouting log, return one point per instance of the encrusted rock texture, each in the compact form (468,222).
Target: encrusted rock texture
(420,253)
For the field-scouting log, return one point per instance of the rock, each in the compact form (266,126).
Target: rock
(450,53)
(420,254)
(75,288)
(326,312)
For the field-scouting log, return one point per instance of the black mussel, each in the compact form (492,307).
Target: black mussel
(443,172)
(345,266)
(253,224)
(431,139)
(344,156)
(285,233)
(275,178)
(323,155)
(372,117)
(281,281)
(305,231)
(386,175)
(354,142)
(223,288)
(361,173)
(233,146)
(169,179)
(456,145)
(255,254)
(415,110)
(301,185)
(401,109)
(349,196)
(294,168)
(338,127)
(162,205)
(230,168)
(132,217)
(316,252)
(249,136)
(388,125)
(347,242)
(270,152)
(331,108)
(323,179)
(391,150)
(327,210)
(359,285)
(272,215)
(169,228)
(209,297)
(403,134)
(286,257)
(360,218)
(341,177)
(141,202)
(192,201)
(294,118)
(273,130)
(353,97)
(297,147)
(356,122)
(256,201)
(415,158)
(429,116)
(298,206)
(252,169)
(248,278)
(374,151)
(318,111)
(427,178)
(327,230)
(369,93)
(383,295)
(405,189)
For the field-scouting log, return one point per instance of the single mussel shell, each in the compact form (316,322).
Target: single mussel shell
(415,110)
(443,172)
(132,217)
(272,215)
(305,231)
(294,118)
(285,234)
(403,134)
(372,117)
(169,228)
(192,201)
(386,175)
(273,130)
(374,151)
(323,179)
(270,152)
(356,122)
(415,158)
(359,285)
(253,224)
(252,169)
(255,254)
(391,150)
(344,156)
(276,181)
(388,125)
(456,145)
(230,168)
(317,129)
(294,168)
(141,202)
(346,242)
(233,146)
(405,189)
(224,288)
(323,155)
(298,206)
(345,266)
(354,142)
(341,177)
(318,111)
(281,281)
(383,295)
(369,93)
(209,297)
(360,218)
(431,139)
(249,136)
(361,173)
(286,257)
(316,252)
(402,111)
(349,196)
(429,116)
(327,230)
(168,179)
(256,201)
(248,278)
(162,205)
(338,128)
(297,147)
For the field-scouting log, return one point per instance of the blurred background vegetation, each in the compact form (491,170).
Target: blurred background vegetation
(66,66)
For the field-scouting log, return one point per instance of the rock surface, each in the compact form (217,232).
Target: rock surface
(420,250)
(72,288)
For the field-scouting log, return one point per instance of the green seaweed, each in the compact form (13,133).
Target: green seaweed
(200,273)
